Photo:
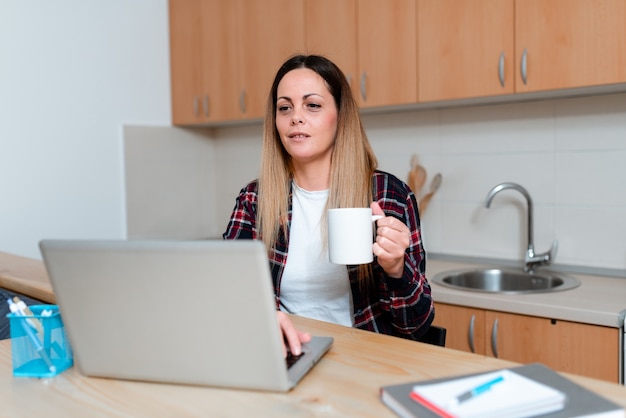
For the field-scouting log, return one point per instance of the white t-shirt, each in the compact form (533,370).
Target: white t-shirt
(311,286)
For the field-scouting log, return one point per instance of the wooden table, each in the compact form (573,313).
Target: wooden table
(345,383)
(26,276)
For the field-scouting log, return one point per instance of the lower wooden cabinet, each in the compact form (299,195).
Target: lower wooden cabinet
(583,349)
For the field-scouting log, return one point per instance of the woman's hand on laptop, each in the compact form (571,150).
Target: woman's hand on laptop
(292,337)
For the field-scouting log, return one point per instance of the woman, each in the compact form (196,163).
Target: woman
(316,156)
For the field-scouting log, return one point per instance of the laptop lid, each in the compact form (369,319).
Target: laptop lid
(190,312)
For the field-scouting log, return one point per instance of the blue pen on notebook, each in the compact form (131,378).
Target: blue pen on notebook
(482,388)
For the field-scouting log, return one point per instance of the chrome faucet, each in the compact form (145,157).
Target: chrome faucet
(531,259)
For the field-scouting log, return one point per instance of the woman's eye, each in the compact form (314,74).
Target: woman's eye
(314,106)
(283,108)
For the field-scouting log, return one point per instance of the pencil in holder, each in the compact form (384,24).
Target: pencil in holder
(39,344)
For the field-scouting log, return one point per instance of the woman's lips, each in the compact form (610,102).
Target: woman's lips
(298,136)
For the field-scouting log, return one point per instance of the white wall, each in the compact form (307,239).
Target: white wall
(72,73)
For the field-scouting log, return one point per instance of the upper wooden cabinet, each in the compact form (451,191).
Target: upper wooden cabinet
(270,31)
(373,43)
(331,31)
(220,50)
(387,52)
(473,48)
(465,48)
(203,42)
(224,54)
(185,68)
(570,43)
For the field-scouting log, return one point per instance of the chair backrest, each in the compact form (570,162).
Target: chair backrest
(435,335)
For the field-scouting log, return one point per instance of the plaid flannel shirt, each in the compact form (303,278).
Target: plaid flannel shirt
(401,307)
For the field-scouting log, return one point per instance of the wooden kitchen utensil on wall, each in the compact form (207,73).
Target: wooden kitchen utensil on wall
(434,186)
(417,179)
(417,176)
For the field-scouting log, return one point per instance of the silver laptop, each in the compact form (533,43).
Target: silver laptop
(190,312)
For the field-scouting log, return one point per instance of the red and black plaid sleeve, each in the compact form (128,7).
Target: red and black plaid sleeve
(404,306)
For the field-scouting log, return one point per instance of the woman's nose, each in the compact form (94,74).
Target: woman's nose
(297,119)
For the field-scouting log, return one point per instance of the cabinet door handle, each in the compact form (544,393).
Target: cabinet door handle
(205,105)
(470,334)
(242,101)
(501,69)
(196,106)
(494,338)
(524,65)
(363,86)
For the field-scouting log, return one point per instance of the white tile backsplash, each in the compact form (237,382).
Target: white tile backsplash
(395,137)
(593,178)
(592,123)
(238,150)
(471,177)
(389,132)
(521,127)
(568,153)
(169,179)
(592,236)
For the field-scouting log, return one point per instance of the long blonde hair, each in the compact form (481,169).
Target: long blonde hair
(352,163)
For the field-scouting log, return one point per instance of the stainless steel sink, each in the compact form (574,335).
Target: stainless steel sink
(499,280)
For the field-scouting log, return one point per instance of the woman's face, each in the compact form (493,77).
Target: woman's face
(306,116)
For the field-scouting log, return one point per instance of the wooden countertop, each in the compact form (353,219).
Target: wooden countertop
(26,276)
(597,301)
(345,383)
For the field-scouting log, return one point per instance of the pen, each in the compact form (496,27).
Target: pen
(484,387)
(24,310)
(33,338)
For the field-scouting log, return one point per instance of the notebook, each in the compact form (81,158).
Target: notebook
(502,393)
(188,312)
(536,390)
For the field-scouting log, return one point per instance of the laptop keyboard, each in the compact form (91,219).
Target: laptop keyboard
(291,359)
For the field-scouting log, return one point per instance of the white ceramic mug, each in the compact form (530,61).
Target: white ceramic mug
(350,235)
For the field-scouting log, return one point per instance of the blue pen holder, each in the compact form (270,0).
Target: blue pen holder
(39,349)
